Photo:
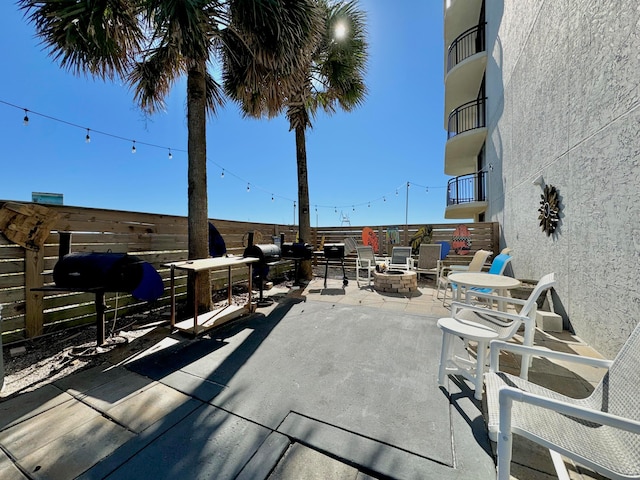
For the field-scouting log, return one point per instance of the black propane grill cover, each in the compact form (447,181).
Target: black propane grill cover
(114,272)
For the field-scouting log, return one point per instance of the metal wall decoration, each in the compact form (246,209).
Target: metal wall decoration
(549,210)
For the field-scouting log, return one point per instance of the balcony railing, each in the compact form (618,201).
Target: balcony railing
(467,117)
(468,43)
(467,189)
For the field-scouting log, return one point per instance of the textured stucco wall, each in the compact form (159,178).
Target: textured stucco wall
(563,88)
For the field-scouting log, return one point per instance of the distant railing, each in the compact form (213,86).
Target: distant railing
(467,117)
(466,189)
(468,43)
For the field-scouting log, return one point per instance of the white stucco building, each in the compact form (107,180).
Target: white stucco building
(547,92)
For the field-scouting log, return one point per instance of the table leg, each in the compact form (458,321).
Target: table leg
(173,297)
(250,284)
(195,303)
(481,357)
(445,354)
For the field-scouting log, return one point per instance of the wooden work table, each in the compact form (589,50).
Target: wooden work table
(205,321)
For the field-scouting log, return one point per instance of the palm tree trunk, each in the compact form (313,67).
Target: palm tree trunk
(197,183)
(304,217)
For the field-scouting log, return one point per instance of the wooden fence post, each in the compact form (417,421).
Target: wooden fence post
(34,315)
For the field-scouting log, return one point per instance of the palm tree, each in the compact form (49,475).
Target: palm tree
(151,43)
(332,75)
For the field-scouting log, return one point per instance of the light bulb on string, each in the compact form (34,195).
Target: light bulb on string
(353,207)
(272,197)
(396,192)
(335,209)
(87,138)
(426,190)
(369,205)
(384,199)
(248,187)
(25,120)
(133,147)
(170,155)
(222,174)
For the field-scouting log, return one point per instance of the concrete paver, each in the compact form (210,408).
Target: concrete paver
(331,383)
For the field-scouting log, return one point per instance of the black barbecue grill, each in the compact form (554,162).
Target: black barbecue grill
(268,254)
(334,251)
(296,251)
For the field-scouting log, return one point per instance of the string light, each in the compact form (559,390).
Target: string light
(28,112)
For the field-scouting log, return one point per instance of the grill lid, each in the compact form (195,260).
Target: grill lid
(334,250)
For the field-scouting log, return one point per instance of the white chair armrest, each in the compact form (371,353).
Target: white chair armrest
(363,262)
(496,346)
(506,395)
(455,306)
(489,296)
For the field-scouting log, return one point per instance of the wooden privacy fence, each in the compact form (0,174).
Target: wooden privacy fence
(156,239)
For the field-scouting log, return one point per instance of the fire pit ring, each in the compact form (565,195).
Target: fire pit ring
(396,281)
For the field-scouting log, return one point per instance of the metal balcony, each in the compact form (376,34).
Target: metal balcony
(466,196)
(465,69)
(466,133)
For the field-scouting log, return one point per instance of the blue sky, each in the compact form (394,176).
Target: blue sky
(357,161)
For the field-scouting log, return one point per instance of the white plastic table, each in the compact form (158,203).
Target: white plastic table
(500,283)
(469,369)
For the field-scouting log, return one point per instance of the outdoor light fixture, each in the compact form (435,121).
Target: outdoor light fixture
(170,154)
(248,187)
(133,147)
(87,139)
(222,174)
(25,120)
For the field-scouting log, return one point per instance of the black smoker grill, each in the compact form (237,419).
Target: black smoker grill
(97,273)
(295,251)
(269,254)
(334,251)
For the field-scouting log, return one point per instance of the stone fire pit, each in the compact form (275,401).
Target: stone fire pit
(395,281)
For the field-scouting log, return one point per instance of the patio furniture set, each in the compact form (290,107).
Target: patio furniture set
(601,432)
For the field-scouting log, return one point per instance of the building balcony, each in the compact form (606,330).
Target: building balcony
(465,69)
(466,133)
(459,15)
(466,196)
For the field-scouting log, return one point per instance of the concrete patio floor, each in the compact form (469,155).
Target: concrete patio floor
(326,383)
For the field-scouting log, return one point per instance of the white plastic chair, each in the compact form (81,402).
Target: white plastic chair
(470,318)
(400,259)
(475,265)
(601,432)
(366,261)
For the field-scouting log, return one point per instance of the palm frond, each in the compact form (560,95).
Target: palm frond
(97,38)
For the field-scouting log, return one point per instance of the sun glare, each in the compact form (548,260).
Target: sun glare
(340,31)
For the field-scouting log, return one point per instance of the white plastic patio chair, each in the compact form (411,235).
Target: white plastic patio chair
(476,264)
(601,432)
(504,324)
(366,261)
(428,261)
(400,259)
